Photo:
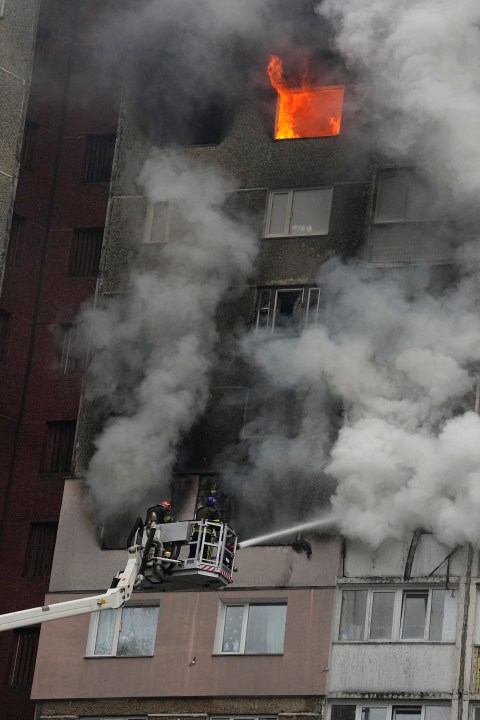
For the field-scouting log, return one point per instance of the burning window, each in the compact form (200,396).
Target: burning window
(299,212)
(307,110)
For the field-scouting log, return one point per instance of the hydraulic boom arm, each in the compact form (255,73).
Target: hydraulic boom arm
(116,596)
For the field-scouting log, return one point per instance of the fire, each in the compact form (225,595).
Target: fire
(305,111)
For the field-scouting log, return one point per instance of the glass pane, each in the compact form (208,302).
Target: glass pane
(437,712)
(265,629)
(374,713)
(179,226)
(105,632)
(391,198)
(414,613)
(443,615)
(278,214)
(263,311)
(412,713)
(352,622)
(232,629)
(382,616)
(138,630)
(312,309)
(311,212)
(159,223)
(343,712)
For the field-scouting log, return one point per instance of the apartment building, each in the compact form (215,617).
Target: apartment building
(323,627)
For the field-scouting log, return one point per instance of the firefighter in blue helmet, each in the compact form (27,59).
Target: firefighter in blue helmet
(211,514)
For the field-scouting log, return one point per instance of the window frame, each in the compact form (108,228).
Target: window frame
(148,223)
(288,212)
(390,708)
(109,141)
(95,620)
(270,326)
(245,604)
(86,241)
(51,449)
(32,633)
(398,615)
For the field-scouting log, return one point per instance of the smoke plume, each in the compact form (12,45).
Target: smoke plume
(153,349)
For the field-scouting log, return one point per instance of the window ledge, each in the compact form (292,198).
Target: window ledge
(394,642)
(116,657)
(234,654)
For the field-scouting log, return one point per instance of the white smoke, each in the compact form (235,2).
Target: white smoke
(405,369)
(153,349)
(417,64)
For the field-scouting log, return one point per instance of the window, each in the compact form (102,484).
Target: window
(98,158)
(125,632)
(40,549)
(390,712)
(26,645)
(198,121)
(287,309)
(85,252)
(251,628)
(391,614)
(298,212)
(27,155)
(15,242)
(2,7)
(59,447)
(4,323)
(401,197)
(163,223)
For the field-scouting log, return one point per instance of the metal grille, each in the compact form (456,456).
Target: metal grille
(41,544)
(98,158)
(15,242)
(86,250)
(59,447)
(28,146)
(4,318)
(25,656)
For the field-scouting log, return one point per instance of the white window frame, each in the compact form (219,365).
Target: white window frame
(398,613)
(148,224)
(391,708)
(272,304)
(245,604)
(93,629)
(288,213)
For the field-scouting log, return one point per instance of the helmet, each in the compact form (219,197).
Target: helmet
(167,505)
(210,501)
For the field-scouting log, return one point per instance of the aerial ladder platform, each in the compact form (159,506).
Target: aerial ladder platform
(190,555)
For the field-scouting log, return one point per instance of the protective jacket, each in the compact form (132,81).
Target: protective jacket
(163,516)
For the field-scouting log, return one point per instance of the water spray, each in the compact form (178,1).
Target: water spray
(324,522)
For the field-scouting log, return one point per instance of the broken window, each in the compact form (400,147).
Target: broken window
(392,614)
(298,212)
(164,222)
(59,447)
(25,654)
(69,361)
(40,549)
(85,252)
(27,155)
(379,711)
(251,628)
(305,109)
(124,632)
(200,122)
(99,150)
(15,241)
(287,309)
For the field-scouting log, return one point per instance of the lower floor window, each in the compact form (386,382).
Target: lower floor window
(252,628)
(389,712)
(124,632)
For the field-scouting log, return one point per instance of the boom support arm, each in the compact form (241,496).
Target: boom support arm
(116,596)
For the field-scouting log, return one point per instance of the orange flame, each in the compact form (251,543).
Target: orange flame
(307,111)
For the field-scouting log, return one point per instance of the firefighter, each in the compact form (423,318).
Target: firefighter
(163,512)
(209,512)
